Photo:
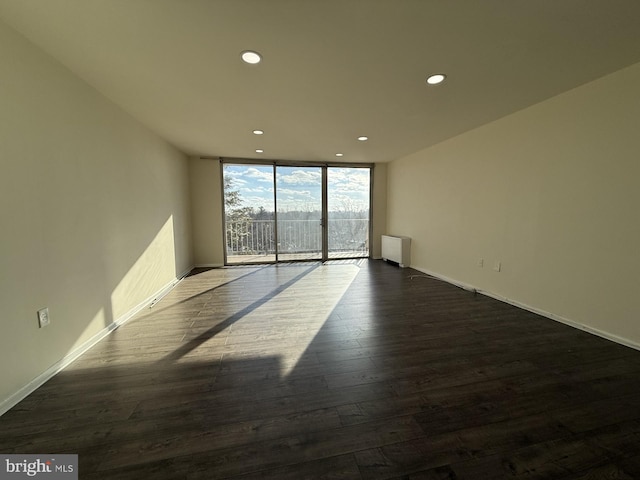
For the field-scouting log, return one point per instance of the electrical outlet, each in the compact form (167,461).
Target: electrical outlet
(43,317)
(481,262)
(497,266)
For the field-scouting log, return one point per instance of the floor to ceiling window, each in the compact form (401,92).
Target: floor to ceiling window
(348,211)
(299,213)
(286,212)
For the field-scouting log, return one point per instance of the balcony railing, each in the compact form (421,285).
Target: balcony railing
(256,237)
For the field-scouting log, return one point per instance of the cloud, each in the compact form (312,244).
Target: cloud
(348,180)
(292,193)
(300,177)
(259,175)
(258,189)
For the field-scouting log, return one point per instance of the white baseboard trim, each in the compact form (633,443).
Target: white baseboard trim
(65,361)
(552,316)
(462,285)
(156,297)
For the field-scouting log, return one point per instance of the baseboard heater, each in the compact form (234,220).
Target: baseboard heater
(396,249)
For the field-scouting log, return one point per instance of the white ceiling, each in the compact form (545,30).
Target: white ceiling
(332,69)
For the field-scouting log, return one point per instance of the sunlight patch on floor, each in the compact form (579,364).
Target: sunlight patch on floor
(287,323)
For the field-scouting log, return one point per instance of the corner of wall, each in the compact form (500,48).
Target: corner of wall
(206,211)
(379,208)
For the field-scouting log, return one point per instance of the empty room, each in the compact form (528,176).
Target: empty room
(337,239)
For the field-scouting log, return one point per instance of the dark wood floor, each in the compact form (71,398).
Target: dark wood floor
(346,370)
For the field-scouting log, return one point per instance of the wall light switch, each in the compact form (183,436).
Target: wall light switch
(497,266)
(43,317)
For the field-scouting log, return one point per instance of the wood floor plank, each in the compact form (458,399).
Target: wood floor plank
(401,460)
(556,458)
(341,467)
(189,438)
(308,446)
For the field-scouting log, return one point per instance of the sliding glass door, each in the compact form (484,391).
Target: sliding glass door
(249,213)
(299,213)
(348,198)
(295,212)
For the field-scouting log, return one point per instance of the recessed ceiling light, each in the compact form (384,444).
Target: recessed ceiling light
(362,138)
(249,56)
(258,132)
(259,150)
(436,79)
(339,154)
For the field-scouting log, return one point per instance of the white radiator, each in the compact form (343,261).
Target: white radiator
(397,249)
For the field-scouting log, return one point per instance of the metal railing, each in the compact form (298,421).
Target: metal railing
(256,237)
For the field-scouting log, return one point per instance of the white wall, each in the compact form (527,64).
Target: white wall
(551,192)
(379,208)
(206,201)
(94,212)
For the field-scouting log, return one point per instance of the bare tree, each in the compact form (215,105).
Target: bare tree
(238,218)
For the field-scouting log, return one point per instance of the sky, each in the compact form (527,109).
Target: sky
(300,188)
